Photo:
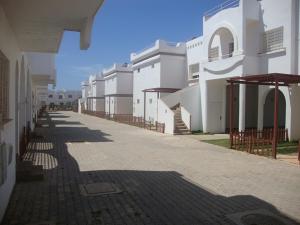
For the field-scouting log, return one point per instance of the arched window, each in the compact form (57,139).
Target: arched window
(221,45)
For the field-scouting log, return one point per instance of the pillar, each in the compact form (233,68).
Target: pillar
(242,107)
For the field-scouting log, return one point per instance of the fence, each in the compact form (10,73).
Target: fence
(257,142)
(130,120)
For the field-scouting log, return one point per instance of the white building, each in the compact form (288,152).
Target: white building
(62,98)
(92,94)
(28,27)
(157,71)
(240,38)
(118,89)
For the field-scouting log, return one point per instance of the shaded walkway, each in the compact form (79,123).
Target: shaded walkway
(74,153)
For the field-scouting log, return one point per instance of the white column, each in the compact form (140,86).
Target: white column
(203,91)
(242,107)
(260,108)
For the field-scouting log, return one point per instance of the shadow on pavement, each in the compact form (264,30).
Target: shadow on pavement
(146,197)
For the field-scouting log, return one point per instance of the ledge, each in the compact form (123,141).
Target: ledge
(281,50)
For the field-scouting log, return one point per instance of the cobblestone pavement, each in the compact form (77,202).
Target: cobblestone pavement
(163,179)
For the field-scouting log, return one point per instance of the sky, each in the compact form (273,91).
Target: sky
(125,26)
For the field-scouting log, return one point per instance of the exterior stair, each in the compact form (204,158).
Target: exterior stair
(179,127)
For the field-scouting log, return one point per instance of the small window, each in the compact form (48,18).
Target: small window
(50,96)
(152,66)
(4,84)
(138,70)
(60,97)
(70,96)
(150,101)
(137,101)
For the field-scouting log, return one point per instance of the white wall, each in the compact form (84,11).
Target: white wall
(111,85)
(148,77)
(173,71)
(190,99)
(9,47)
(124,83)
(123,105)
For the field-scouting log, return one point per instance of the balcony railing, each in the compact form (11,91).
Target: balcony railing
(226,56)
(225,5)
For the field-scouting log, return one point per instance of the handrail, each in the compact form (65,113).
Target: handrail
(218,8)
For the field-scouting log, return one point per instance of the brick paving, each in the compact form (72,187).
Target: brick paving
(164,179)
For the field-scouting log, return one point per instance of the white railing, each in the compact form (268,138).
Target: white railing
(166,116)
(225,5)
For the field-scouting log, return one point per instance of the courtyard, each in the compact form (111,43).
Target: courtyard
(101,172)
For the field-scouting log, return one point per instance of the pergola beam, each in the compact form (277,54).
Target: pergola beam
(273,79)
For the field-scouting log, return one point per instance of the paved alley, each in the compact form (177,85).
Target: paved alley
(158,179)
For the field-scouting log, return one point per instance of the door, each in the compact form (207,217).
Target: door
(215,117)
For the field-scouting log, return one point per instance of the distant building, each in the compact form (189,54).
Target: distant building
(62,98)
(118,89)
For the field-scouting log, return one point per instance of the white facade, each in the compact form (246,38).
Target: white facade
(31,32)
(63,97)
(93,94)
(161,66)
(253,37)
(118,89)
(241,37)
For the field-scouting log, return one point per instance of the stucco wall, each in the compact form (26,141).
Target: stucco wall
(9,48)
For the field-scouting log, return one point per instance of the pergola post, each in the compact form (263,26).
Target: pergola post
(144,108)
(231,114)
(157,106)
(275,130)
(109,107)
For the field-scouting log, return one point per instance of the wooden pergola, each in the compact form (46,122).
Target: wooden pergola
(158,91)
(273,79)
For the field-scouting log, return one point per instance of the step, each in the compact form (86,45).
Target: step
(182,133)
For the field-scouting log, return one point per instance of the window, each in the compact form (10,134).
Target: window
(137,101)
(272,40)
(50,96)
(150,101)
(4,84)
(70,96)
(194,71)
(138,70)
(152,66)
(231,48)
(60,97)
(213,53)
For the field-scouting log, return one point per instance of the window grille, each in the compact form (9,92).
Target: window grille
(4,91)
(231,49)
(214,53)
(272,40)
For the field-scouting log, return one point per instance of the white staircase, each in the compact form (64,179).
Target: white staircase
(179,126)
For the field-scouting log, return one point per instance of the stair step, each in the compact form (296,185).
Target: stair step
(182,133)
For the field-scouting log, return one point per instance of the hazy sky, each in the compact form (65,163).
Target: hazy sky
(125,26)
